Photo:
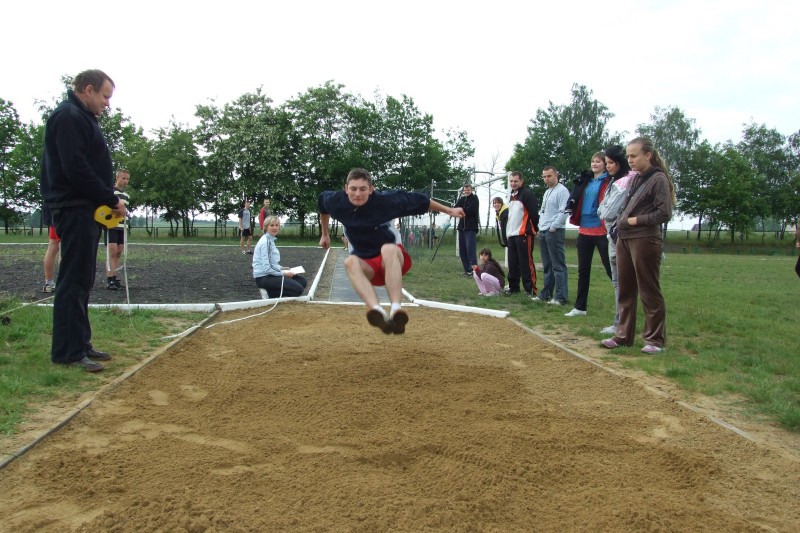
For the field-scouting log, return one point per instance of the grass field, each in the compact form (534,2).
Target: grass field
(732,325)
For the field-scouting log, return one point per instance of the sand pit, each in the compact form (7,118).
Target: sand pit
(298,421)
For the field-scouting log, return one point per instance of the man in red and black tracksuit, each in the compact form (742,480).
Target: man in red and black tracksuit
(523,222)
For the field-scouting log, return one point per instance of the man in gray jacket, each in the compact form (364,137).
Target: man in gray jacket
(552,231)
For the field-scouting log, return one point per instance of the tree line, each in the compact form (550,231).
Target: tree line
(251,148)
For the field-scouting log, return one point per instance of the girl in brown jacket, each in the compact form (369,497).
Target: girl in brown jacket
(647,206)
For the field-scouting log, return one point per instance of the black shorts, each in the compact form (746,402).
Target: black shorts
(116,236)
(247,233)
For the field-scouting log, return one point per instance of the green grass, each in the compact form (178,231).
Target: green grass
(732,322)
(28,378)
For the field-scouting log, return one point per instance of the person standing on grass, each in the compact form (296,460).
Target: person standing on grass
(115,237)
(588,193)
(648,205)
(264,214)
(552,234)
(621,176)
(488,274)
(77,178)
(51,255)
(376,256)
(523,222)
(267,270)
(500,220)
(245,224)
(468,229)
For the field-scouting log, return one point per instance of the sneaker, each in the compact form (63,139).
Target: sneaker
(609,330)
(555,302)
(538,299)
(87,364)
(652,349)
(243,252)
(249,252)
(381,321)
(399,319)
(491,294)
(118,283)
(49,286)
(610,344)
(575,312)
(112,286)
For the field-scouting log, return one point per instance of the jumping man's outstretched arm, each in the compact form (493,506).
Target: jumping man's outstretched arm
(325,238)
(452,211)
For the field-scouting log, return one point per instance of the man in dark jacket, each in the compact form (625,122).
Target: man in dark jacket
(521,229)
(77,178)
(376,256)
(468,229)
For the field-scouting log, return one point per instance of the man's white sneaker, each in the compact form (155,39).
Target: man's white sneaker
(537,300)
(554,302)
(575,312)
(609,330)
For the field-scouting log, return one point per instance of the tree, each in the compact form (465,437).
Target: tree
(564,136)
(775,164)
(698,175)
(19,166)
(172,177)
(321,121)
(675,138)
(733,195)
(244,143)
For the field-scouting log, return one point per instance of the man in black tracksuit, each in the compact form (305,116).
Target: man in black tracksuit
(468,229)
(77,177)
(522,225)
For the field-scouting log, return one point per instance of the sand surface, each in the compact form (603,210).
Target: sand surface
(307,419)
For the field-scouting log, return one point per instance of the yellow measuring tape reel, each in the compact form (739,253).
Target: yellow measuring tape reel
(106,217)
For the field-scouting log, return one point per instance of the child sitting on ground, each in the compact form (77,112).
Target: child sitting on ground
(488,274)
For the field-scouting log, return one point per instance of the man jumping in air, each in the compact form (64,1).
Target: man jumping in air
(376,256)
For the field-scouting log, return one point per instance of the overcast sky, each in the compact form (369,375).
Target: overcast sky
(483,67)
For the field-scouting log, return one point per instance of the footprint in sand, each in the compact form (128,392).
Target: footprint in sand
(668,427)
(193,393)
(158,397)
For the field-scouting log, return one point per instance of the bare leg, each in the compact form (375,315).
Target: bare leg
(50,260)
(114,255)
(393,272)
(360,274)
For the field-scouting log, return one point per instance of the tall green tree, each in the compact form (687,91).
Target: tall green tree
(19,167)
(675,138)
(321,120)
(774,163)
(172,177)
(244,143)
(734,194)
(564,136)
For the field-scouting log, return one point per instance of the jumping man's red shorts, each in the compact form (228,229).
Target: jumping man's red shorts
(376,263)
